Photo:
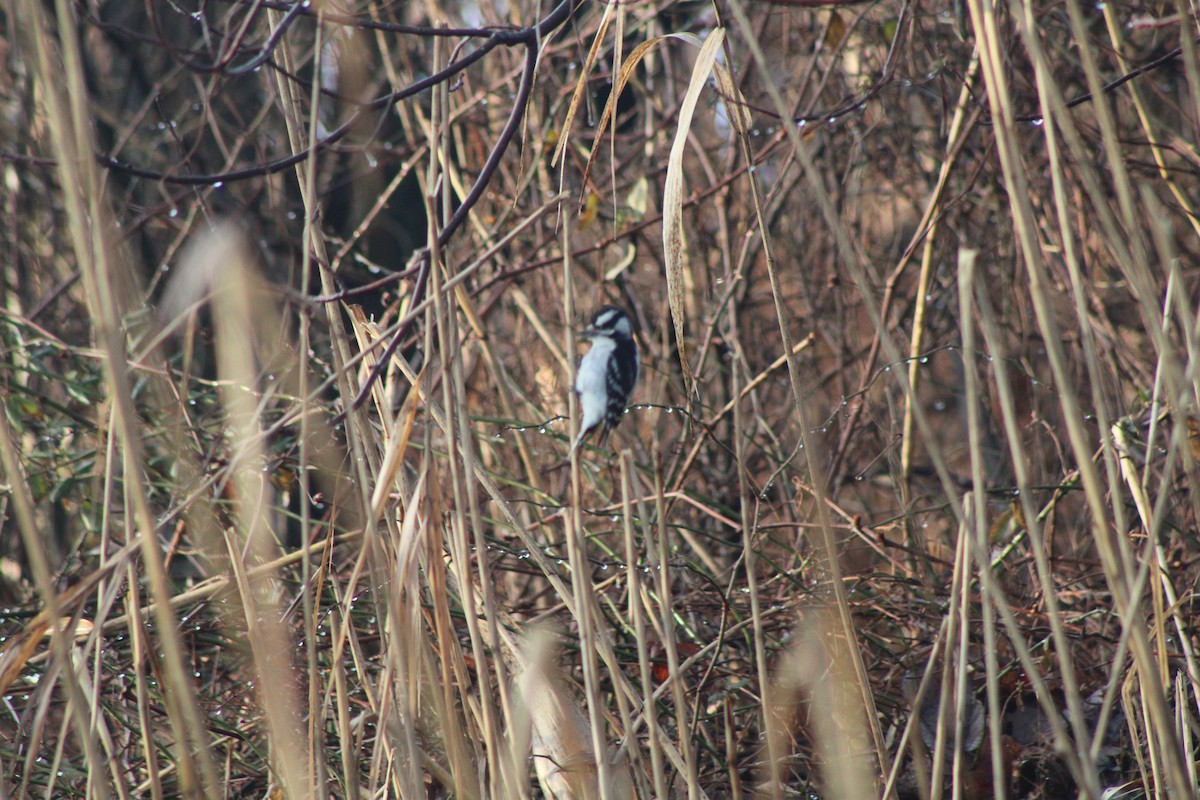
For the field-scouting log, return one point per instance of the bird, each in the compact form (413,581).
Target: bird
(607,375)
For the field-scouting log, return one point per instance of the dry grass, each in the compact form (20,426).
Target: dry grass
(907,504)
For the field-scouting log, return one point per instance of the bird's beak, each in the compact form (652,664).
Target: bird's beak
(587,333)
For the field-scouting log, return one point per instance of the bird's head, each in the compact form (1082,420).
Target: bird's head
(609,322)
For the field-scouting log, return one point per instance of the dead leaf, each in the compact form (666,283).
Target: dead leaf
(581,86)
(836,31)
(590,210)
(674,244)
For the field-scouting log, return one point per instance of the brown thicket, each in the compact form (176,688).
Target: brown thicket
(905,506)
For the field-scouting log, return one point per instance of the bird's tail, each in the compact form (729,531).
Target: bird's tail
(604,430)
(578,441)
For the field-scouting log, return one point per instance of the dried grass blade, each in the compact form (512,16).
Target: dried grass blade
(220,262)
(626,71)
(13,660)
(565,759)
(581,87)
(623,76)
(397,446)
(674,246)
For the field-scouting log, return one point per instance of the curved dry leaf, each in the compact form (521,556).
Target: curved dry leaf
(638,199)
(627,67)
(581,86)
(631,62)
(736,106)
(79,631)
(674,246)
(623,263)
(20,649)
